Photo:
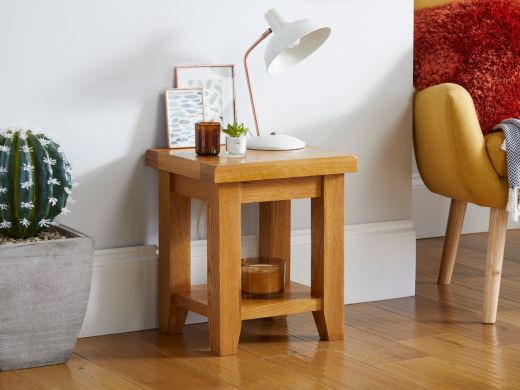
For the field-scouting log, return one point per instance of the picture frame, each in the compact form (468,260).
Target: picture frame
(217,81)
(184,108)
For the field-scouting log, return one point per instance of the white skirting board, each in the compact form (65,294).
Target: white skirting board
(430,213)
(379,264)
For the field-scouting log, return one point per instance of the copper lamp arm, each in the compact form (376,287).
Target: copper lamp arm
(262,37)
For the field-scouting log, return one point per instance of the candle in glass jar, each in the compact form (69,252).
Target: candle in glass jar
(262,277)
(207,138)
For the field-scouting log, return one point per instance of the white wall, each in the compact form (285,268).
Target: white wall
(93,73)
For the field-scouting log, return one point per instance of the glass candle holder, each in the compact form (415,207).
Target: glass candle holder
(262,277)
(207,138)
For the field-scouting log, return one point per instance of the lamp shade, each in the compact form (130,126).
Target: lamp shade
(291,42)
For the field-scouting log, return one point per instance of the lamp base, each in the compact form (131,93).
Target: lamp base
(275,142)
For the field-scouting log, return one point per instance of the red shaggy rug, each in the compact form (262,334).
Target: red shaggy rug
(475,44)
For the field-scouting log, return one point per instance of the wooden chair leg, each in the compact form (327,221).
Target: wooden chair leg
(494,259)
(451,241)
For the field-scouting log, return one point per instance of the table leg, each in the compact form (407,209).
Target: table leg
(275,232)
(174,253)
(327,257)
(224,269)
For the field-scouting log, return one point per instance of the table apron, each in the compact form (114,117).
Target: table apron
(255,191)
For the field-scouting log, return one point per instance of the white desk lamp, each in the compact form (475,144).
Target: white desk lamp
(291,42)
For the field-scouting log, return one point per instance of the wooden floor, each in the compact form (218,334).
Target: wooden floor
(432,341)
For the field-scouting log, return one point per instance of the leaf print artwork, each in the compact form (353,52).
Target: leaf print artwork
(212,98)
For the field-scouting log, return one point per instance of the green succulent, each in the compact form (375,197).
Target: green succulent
(235,130)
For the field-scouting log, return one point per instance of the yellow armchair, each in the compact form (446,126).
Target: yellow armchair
(457,161)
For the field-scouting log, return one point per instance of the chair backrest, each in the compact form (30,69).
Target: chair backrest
(450,149)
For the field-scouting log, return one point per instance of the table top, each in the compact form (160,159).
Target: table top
(256,165)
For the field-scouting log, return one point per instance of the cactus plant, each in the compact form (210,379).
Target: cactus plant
(35,182)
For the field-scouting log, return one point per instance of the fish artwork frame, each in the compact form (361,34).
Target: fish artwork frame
(184,108)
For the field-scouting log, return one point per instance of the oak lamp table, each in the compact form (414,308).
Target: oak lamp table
(272,179)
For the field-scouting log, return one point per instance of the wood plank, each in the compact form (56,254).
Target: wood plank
(261,339)
(257,165)
(77,373)
(464,352)
(429,265)
(339,371)
(280,189)
(435,373)
(378,319)
(246,370)
(144,365)
(436,313)
(460,296)
(470,257)
(274,232)
(477,241)
(327,257)
(358,344)
(509,287)
(224,239)
(296,299)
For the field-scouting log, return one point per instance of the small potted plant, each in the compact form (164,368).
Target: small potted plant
(236,139)
(45,268)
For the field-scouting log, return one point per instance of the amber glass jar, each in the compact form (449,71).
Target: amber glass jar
(207,138)
(262,277)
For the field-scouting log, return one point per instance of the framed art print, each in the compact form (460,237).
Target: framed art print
(184,108)
(218,85)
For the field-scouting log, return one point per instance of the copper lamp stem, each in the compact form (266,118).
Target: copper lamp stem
(262,37)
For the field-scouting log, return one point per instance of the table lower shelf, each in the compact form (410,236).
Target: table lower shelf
(297,299)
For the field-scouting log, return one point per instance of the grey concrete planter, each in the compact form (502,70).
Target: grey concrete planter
(44,291)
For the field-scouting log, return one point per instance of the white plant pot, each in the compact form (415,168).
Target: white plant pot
(236,146)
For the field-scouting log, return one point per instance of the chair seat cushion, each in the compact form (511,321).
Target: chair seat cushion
(496,154)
